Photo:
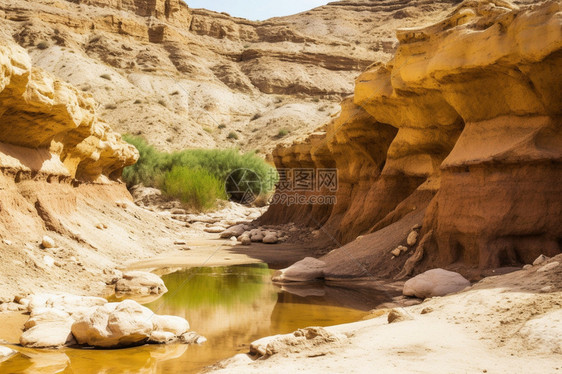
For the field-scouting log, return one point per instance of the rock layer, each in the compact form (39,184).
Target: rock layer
(159,68)
(48,127)
(462,125)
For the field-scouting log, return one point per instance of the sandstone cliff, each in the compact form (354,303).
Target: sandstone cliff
(58,166)
(189,77)
(49,129)
(460,131)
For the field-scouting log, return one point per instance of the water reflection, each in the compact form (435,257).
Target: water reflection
(231,306)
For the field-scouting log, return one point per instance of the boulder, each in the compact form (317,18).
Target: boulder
(244,239)
(233,231)
(126,324)
(214,229)
(435,282)
(45,315)
(256,235)
(270,237)
(48,334)
(307,339)
(540,260)
(307,269)
(140,283)
(175,325)
(67,302)
(114,325)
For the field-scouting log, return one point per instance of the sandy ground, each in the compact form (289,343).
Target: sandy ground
(505,324)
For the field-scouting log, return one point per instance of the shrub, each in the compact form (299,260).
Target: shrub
(162,102)
(110,106)
(232,135)
(137,101)
(256,116)
(42,45)
(152,168)
(282,133)
(208,129)
(197,188)
(222,126)
(106,76)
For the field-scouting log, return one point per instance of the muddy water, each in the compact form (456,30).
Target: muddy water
(231,306)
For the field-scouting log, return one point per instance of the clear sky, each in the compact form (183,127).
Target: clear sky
(257,9)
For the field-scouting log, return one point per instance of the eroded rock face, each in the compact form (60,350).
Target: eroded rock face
(289,71)
(463,125)
(48,127)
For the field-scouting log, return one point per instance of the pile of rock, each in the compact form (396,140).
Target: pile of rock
(411,241)
(58,320)
(245,234)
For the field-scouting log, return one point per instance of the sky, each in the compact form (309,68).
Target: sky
(257,9)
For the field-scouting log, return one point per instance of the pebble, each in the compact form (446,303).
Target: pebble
(48,242)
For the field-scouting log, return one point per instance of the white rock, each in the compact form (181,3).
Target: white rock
(176,325)
(7,242)
(162,337)
(48,335)
(412,238)
(6,353)
(543,333)
(549,267)
(192,338)
(528,266)
(539,260)
(48,242)
(140,283)
(45,315)
(66,302)
(114,325)
(214,229)
(306,269)
(48,260)
(435,282)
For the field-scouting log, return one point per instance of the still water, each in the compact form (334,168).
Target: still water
(231,306)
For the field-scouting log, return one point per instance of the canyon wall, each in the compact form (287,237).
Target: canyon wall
(187,77)
(459,132)
(52,145)
(50,129)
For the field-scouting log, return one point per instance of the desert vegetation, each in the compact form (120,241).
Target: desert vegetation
(196,176)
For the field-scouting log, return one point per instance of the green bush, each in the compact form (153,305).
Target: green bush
(282,133)
(197,188)
(232,135)
(153,165)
